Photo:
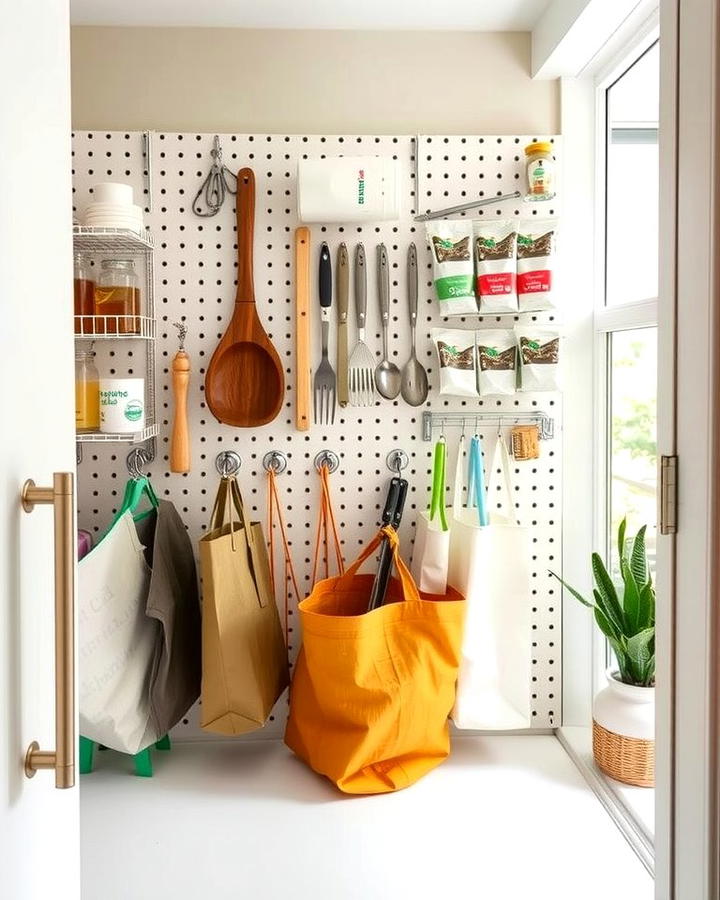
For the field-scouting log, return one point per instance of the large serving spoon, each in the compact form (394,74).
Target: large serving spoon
(387,374)
(245,381)
(414,386)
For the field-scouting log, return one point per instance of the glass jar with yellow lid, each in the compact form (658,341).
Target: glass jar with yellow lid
(540,168)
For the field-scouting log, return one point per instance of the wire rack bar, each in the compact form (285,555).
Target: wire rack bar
(99,437)
(116,328)
(111,240)
(432,420)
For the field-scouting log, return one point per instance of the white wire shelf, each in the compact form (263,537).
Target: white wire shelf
(98,437)
(111,240)
(98,328)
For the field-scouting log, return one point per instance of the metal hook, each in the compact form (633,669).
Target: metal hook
(136,459)
(327,458)
(216,151)
(397,460)
(275,461)
(228,463)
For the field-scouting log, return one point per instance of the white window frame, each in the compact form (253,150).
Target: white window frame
(586,326)
(610,319)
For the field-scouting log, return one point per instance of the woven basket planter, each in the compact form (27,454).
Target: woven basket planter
(626,759)
(624,732)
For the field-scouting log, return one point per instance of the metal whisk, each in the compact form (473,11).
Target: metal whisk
(215,186)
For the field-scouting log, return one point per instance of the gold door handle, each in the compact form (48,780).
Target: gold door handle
(61,496)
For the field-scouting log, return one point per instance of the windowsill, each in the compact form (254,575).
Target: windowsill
(638,802)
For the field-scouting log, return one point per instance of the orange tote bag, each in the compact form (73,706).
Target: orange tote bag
(372,691)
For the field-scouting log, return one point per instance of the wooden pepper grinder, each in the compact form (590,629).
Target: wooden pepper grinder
(180,440)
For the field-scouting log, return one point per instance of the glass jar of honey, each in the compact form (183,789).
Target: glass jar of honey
(84,290)
(87,391)
(540,168)
(117,298)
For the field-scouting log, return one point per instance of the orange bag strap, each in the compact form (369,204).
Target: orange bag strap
(289,577)
(410,591)
(326,529)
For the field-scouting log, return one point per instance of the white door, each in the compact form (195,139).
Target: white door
(39,827)
(688,714)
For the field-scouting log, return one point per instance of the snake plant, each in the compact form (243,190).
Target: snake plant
(628,622)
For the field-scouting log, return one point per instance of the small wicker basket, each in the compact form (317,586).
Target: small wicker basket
(626,759)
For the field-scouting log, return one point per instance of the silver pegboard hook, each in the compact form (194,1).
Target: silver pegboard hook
(136,459)
(275,461)
(327,458)
(228,463)
(397,460)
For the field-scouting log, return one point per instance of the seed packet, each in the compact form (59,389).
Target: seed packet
(495,265)
(536,260)
(451,245)
(496,361)
(539,358)
(457,360)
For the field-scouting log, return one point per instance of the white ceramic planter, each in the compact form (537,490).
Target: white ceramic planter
(626,709)
(624,732)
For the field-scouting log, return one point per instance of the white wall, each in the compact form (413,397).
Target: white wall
(308,82)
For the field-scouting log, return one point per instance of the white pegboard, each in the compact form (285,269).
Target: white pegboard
(195,267)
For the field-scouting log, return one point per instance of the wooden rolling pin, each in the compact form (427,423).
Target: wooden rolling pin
(302,328)
(180,440)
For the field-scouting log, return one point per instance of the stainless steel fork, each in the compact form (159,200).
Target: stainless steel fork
(361,368)
(324,381)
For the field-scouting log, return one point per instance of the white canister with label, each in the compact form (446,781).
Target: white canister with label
(349,189)
(122,405)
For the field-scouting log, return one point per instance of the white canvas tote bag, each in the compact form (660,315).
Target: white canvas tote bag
(429,565)
(116,641)
(490,566)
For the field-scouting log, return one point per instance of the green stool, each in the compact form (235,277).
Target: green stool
(143,759)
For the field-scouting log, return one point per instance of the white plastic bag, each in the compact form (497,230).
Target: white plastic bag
(490,566)
(116,641)
(495,265)
(451,244)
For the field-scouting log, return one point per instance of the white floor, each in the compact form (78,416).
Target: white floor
(505,818)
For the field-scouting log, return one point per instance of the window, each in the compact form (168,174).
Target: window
(626,316)
(626,331)
(632,425)
(631,192)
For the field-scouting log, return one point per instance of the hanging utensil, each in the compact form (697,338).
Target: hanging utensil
(213,190)
(343,289)
(245,381)
(302,328)
(476,481)
(414,385)
(387,374)
(392,516)
(361,368)
(180,439)
(324,381)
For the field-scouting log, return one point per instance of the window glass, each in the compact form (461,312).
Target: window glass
(632,183)
(633,433)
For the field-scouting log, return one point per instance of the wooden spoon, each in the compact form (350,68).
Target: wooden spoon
(245,381)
